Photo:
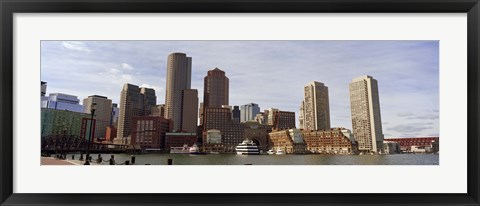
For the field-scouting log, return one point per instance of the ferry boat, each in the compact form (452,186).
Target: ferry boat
(247,147)
(280,152)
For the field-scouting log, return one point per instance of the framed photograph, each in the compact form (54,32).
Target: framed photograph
(249,103)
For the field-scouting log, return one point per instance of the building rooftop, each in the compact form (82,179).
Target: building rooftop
(356,79)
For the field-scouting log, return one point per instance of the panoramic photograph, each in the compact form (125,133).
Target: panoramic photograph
(289,102)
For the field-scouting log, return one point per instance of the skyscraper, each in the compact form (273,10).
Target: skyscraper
(215,89)
(134,101)
(236,114)
(189,111)
(316,110)
(179,72)
(103,113)
(365,108)
(149,100)
(248,112)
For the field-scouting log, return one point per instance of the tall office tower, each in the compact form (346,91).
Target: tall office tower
(134,101)
(236,114)
(103,113)
(149,100)
(365,108)
(301,117)
(179,72)
(249,112)
(189,110)
(200,113)
(215,92)
(114,116)
(316,110)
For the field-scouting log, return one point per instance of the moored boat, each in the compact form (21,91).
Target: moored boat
(280,152)
(247,147)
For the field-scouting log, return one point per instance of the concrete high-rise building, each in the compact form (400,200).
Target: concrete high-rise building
(179,73)
(158,110)
(249,112)
(43,92)
(134,101)
(200,113)
(43,89)
(316,109)
(365,109)
(149,100)
(301,118)
(189,109)
(114,116)
(215,92)
(103,113)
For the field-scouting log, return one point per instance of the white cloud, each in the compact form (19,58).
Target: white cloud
(75,45)
(127,66)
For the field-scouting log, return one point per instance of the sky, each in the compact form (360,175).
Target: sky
(269,73)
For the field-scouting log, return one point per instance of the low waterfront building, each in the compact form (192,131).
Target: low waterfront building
(179,139)
(329,142)
(213,142)
(406,143)
(391,147)
(257,133)
(150,131)
(214,136)
(290,141)
(61,122)
(421,149)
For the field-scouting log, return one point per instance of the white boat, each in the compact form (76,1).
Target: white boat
(270,152)
(180,150)
(247,147)
(195,150)
(280,152)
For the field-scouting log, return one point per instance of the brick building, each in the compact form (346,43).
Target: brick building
(149,131)
(221,119)
(178,139)
(329,142)
(290,141)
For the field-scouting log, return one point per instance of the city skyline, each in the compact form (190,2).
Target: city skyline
(271,73)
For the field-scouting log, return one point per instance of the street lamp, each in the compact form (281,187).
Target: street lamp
(92,110)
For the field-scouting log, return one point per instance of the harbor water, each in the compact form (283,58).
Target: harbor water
(233,159)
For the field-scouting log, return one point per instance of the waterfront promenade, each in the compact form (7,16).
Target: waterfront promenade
(53,161)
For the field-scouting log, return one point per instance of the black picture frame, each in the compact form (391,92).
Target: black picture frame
(10,7)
